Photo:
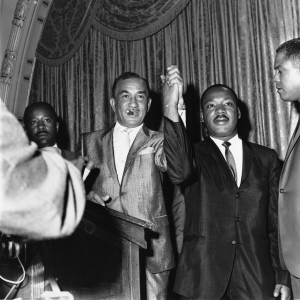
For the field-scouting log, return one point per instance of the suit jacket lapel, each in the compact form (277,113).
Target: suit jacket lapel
(109,150)
(141,138)
(247,161)
(292,144)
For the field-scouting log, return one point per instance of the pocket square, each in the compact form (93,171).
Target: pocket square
(147,151)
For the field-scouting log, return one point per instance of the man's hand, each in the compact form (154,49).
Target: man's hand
(80,162)
(172,92)
(94,197)
(283,290)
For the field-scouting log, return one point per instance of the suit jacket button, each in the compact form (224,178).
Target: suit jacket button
(281,191)
(233,242)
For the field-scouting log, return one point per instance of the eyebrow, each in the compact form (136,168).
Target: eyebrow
(139,92)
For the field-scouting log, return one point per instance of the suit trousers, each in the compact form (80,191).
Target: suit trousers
(157,285)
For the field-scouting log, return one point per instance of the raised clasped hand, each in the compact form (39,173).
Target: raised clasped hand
(171,91)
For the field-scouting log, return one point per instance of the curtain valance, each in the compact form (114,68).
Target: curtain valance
(69,21)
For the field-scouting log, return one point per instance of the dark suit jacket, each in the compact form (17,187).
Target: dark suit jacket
(222,218)
(68,155)
(140,192)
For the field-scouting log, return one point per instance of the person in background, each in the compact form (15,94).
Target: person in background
(41,124)
(42,196)
(287,80)
(129,159)
(230,243)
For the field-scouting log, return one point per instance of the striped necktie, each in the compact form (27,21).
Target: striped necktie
(230,160)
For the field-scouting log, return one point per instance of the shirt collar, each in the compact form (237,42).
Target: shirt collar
(233,141)
(120,128)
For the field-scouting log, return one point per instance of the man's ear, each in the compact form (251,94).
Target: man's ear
(239,113)
(149,103)
(201,116)
(113,104)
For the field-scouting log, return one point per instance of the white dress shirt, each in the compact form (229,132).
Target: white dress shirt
(236,148)
(120,154)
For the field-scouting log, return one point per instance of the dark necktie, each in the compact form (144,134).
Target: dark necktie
(230,160)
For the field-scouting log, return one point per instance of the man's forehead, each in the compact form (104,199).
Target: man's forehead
(218,92)
(40,111)
(131,83)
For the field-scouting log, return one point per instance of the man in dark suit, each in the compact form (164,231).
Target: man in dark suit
(42,126)
(129,159)
(230,248)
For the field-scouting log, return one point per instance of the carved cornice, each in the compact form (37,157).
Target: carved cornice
(21,12)
(10,55)
(8,63)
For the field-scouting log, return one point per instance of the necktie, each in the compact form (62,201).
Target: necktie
(230,160)
(125,143)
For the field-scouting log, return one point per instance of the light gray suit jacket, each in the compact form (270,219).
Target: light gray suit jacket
(140,192)
(289,207)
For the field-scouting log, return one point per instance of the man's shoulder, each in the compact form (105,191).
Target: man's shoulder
(259,148)
(96,134)
(68,155)
(153,133)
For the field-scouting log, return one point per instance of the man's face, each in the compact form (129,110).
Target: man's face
(131,102)
(287,78)
(220,113)
(41,127)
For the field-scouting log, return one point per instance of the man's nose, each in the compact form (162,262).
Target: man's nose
(133,101)
(276,77)
(41,124)
(220,109)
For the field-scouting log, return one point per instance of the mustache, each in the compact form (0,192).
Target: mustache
(221,116)
(41,131)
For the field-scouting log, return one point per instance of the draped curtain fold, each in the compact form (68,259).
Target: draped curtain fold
(230,41)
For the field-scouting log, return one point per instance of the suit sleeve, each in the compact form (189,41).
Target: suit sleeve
(179,153)
(281,276)
(41,195)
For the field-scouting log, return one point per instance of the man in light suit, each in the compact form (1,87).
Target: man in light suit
(287,79)
(132,177)
(230,245)
(41,125)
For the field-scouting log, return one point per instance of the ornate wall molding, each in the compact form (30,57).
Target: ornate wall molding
(17,65)
(11,51)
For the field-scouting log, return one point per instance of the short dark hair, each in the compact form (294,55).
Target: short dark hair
(125,76)
(291,51)
(37,105)
(216,86)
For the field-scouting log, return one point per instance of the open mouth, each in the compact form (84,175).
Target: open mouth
(131,112)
